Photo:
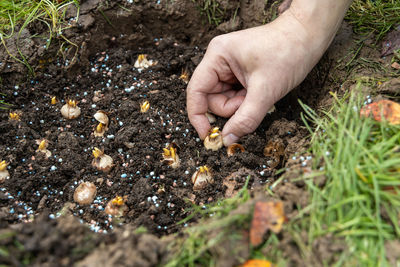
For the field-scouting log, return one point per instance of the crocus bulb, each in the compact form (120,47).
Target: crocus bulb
(201,178)
(4,174)
(116,206)
(213,140)
(43,147)
(100,130)
(14,116)
(53,100)
(144,107)
(85,193)
(70,110)
(234,148)
(184,76)
(170,156)
(101,161)
(143,63)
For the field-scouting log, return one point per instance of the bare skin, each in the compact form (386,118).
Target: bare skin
(267,61)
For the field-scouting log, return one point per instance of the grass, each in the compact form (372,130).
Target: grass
(376,17)
(196,249)
(22,13)
(360,201)
(213,11)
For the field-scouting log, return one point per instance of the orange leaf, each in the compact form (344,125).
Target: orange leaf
(388,109)
(257,263)
(267,216)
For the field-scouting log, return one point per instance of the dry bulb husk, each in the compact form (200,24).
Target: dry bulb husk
(101,116)
(234,148)
(170,156)
(43,148)
(143,63)
(201,178)
(101,161)
(117,207)
(70,110)
(213,140)
(85,193)
(4,174)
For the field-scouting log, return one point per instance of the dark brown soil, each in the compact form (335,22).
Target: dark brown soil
(41,190)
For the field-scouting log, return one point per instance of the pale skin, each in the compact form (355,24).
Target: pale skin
(267,61)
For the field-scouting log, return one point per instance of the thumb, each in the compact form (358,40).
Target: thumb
(249,115)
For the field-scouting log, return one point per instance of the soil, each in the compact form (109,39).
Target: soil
(37,206)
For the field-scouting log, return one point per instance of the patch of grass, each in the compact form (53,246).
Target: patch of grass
(376,17)
(196,249)
(361,197)
(22,13)
(212,10)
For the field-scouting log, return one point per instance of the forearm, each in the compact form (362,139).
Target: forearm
(320,18)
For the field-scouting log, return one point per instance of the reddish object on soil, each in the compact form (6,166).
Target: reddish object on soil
(389,109)
(257,263)
(267,216)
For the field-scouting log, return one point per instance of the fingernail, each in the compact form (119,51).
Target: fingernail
(230,139)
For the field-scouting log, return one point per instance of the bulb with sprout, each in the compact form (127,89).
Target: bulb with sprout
(170,157)
(201,178)
(43,148)
(144,107)
(143,63)
(103,120)
(85,193)
(117,207)
(213,140)
(14,116)
(4,174)
(70,110)
(101,161)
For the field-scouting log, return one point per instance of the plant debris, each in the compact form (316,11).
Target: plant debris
(267,216)
(382,110)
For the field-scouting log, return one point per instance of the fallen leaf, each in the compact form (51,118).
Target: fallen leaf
(257,263)
(389,109)
(267,216)
(395,65)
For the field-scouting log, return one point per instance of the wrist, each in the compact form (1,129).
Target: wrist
(320,19)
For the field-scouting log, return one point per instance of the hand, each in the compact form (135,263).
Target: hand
(266,61)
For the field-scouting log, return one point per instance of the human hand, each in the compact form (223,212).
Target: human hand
(266,61)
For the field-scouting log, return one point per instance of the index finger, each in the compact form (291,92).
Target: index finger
(204,80)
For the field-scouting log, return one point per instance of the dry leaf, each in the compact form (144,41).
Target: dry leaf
(267,216)
(389,109)
(257,263)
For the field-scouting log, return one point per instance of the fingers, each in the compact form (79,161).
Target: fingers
(204,80)
(226,103)
(250,113)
